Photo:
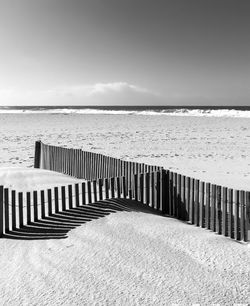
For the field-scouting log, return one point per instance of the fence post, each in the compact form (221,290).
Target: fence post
(35,206)
(213,201)
(37,157)
(89,192)
(49,193)
(77,195)
(218,210)
(112,185)
(100,189)
(13,209)
(63,198)
(191,211)
(106,186)
(230,213)
(118,187)
(202,208)
(1,211)
(242,216)
(178,190)
(207,211)
(124,187)
(6,211)
(56,200)
(247,217)
(70,198)
(42,204)
(83,194)
(28,208)
(147,188)
(142,188)
(20,202)
(236,215)
(152,187)
(224,212)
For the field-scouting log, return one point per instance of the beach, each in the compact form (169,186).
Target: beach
(128,257)
(213,149)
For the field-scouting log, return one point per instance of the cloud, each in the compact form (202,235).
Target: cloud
(115,93)
(104,88)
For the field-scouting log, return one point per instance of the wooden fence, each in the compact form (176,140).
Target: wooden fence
(219,209)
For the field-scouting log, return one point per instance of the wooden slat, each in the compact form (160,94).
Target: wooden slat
(236,215)
(175,199)
(187,197)
(191,211)
(247,217)
(147,200)
(95,191)
(124,192)
(42,204)
(106,187)
(118,187)
(224,211)
(20,204)
(56,200)
(152,188)
(1,211)
(6,210)
(28,204)
(49,202)
(142,187)
(35,206)
(13,209)
(207,210)
(218,210)
(77,199)
(136,186)
(100,189)
(202,206)
(37,154)
(112,184)
(213,203)
(197,204)
(183,198)
(242,215)
(89,192)
(230,214)
(165,191)
(83,194)
(179,203)
(158,190)
(63,195)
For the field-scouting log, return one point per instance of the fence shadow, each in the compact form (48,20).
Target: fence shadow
(57,225)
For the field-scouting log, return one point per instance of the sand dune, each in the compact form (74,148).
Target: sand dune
(126,258)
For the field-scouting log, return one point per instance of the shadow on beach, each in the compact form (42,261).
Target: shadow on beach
(59,224)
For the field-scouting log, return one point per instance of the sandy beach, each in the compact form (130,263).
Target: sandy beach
(127,257)
(208,148)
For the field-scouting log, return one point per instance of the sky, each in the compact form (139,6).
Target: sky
(124,52)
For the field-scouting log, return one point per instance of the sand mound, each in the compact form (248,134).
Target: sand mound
(28,179)
(126,258)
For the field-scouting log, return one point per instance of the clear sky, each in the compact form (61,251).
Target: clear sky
(87,52)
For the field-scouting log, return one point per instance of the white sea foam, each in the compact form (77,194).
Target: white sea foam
(231,113)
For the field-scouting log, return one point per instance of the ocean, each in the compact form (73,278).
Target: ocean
(204,111)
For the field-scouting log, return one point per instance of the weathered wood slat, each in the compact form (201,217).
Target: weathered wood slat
(6,210)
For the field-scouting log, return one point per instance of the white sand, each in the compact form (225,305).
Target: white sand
(211,149)
(28,179)
(127,258)
(131,258)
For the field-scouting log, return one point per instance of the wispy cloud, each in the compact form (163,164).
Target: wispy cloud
(100,88)
(114,93)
